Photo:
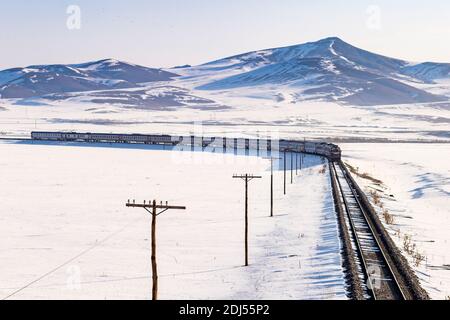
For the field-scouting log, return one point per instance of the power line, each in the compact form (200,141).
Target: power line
(66,263)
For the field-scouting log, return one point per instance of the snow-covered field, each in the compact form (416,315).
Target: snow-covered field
(404,167)
(248,115)
(66,232)
(416,191)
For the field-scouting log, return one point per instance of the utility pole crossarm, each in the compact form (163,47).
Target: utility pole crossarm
(246,176)
(137,205)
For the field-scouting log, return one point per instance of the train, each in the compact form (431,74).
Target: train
(328,150)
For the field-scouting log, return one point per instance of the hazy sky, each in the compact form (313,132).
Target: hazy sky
(164,33)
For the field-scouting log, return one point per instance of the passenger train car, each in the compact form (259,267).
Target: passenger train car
(331,151)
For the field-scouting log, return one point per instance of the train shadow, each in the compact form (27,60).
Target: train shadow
(294,161)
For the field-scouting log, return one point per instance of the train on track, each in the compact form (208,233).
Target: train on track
(328,150)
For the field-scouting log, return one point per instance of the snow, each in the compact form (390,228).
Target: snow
(329,66)
(107,82)
(354,65)
(248,112)
(260,111)
(98,65)
(418,178)
(65,224)
(283,110)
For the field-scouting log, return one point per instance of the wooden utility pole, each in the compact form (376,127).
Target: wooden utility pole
(302,159)
(292,167)
(271,183)
(284,169)
(246,177)
(303,155)
(154,208)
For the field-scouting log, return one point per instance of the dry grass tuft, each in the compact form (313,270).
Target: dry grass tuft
(418,258)
(389,218)
(375,197)
(408,246)
(364,175)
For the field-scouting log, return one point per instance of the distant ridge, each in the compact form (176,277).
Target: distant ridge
(39,80)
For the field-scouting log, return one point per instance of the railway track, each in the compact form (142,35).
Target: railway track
(378,272)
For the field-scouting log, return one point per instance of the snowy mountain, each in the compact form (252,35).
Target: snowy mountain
(332,70)
(428,71)
(326,70)
(35,81)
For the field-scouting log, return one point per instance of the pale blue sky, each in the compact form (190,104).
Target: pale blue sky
(173,32)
